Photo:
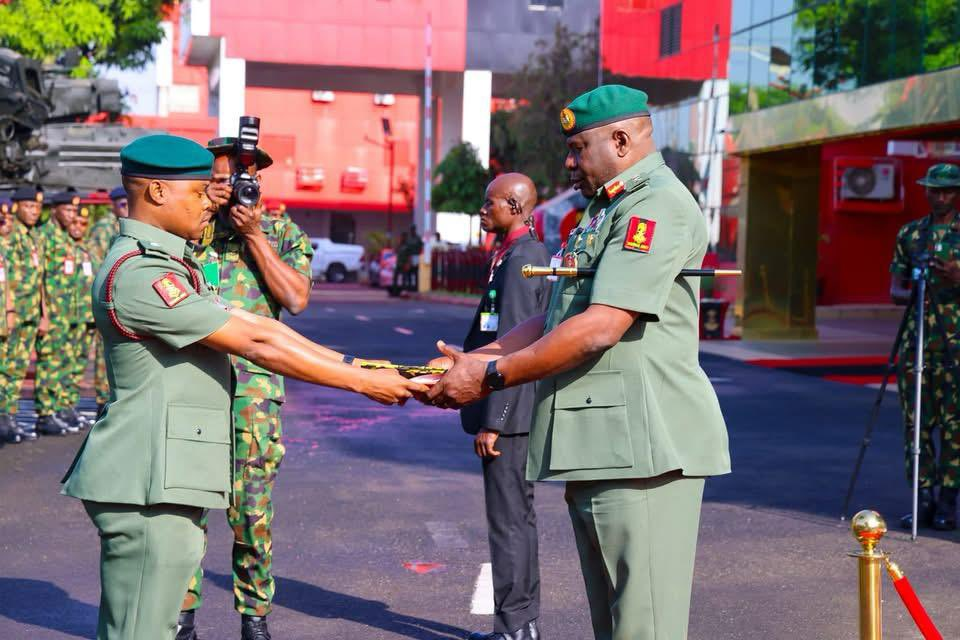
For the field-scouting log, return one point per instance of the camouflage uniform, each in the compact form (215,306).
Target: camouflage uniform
(99,238)
(940,397)
(56,351)
(26,280)
(6,244)
(231,271)
(83,330)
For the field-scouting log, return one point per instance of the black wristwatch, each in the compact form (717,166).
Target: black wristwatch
(493,378)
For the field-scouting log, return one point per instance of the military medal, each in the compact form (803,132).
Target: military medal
(570,260)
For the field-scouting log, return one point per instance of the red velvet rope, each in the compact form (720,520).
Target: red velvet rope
(914,607)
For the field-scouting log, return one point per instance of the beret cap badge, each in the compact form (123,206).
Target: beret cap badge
(567,119)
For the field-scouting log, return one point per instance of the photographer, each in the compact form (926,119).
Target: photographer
(932,242)
(262,265)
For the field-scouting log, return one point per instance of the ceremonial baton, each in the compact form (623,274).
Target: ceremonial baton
(531,271)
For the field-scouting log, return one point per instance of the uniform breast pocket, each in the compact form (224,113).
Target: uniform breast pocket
(590,425)
(198,448)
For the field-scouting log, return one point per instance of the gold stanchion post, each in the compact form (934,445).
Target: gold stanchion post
(868,527)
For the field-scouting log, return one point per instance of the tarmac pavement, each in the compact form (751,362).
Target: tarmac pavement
(380,533)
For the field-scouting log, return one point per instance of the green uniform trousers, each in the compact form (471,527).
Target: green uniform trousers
(16,361)
(55,358)
(939,404)
(257,459)
(147,555)
(637,541)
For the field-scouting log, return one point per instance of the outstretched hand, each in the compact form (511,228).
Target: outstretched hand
(461,384)
(386,386)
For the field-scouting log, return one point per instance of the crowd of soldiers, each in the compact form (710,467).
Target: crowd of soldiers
(48,260)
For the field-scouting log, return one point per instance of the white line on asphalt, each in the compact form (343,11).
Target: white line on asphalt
(482,603)
(446,535)
(891,388)
(721,379)
(403,330)
(329,309)
(362,318)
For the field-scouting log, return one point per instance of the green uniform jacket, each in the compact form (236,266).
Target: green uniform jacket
(233,274)
(644,407)
(26,273)
(166,433)
(6,247)
(59,272)
(81,309)
(101,234)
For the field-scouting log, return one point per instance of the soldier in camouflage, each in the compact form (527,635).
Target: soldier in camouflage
(8,317)
(102,233)
(933,241)
(26,284)
(55,349)
(83,329)
(262,265)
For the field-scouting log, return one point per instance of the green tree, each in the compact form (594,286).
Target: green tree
(461,181)
(108,32)
(528,139)
(850,43)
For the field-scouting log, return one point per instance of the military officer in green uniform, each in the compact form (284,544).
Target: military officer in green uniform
(55,350)
(624,413)
(160,453)
(261,265)
(934,238)
(26,286)
(8,317)
(83,328)
(102,233)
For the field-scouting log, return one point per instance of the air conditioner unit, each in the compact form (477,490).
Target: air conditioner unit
(384,99)
(868,184)
(875,182)
(323,96)
(310,178)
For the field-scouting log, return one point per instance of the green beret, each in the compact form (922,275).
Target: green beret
(942,176)
(220,146)
(166,157)
(601,106)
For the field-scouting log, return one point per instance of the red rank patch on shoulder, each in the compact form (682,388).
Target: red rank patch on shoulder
(639,235)
(170,289)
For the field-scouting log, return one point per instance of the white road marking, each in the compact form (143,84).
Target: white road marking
(721,379)
(482,603)
(329,309)
(404,331)
(891,388)
(418,311)
(446,535)
(362,318)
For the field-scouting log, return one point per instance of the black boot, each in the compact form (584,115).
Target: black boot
(101,409)
(254,628)
(946,517)
(185,628)
(925,508)
(23,434)
(6,429)
(51,426)
(71,421)
(529,631)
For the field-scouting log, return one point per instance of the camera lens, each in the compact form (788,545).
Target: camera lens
(247,193)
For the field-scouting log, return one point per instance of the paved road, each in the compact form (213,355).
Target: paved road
(380,533)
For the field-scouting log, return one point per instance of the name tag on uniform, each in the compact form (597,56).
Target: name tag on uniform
(35,258)
(68,267)
(489,321)
(87,269)
(3,274)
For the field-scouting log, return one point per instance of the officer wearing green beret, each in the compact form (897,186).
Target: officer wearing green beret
(26,286)
(625,415)
(934,237)
(160,453)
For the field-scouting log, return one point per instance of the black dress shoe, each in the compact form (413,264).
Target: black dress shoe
(254,628)
(101,409)
(529,631)
(925,510)
(71,421)
(50,426)
(24,434)
(185,628)
(6,429)
(945,518)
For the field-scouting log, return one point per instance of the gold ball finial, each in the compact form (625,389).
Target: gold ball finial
(868,527)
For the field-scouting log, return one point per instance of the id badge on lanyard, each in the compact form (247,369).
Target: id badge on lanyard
(490,319)
(68,266)
(87,268)
(556,261)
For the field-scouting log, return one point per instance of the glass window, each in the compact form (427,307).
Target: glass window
(739,71)
(762,11)
(780,89)
(543,5)
(759,75)
(670,30)
(740,19)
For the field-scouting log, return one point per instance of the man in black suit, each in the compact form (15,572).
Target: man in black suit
(501,422)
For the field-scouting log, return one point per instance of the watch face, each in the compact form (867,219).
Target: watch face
(494,378)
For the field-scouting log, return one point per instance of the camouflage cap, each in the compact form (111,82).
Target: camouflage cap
(601,106)
(942,176)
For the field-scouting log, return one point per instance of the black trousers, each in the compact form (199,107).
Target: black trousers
(512,530)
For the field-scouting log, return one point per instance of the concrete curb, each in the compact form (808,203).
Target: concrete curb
(442,298)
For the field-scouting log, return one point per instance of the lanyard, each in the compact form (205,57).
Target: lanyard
(500,253)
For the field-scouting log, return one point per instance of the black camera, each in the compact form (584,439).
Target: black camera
(246,189)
